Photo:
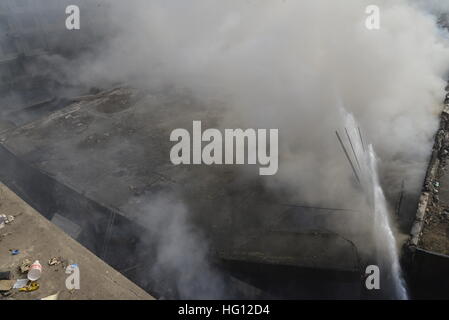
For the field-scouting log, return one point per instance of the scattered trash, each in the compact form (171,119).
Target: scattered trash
(14,252)
(54,261)
(5,220)
(20,283)
(52,297)
(6,285)
(33,286)
(72,266)
(35,271)
(10,219)
(25,266)
(5,275)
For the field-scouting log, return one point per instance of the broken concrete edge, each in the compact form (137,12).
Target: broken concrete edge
(432,170)
(419,219)
(431,252)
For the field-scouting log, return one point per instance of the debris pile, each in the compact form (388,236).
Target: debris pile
(432,218)
(28,278)
(25,276)
(4,220)
(55,261)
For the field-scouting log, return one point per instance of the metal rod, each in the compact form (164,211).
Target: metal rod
(361,139)
(347,156)
(353,150)
(399,203)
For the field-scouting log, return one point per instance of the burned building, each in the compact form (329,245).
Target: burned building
(115,138)
(93,158)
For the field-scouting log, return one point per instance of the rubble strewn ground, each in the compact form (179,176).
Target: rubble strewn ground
(35,238)
(435,230)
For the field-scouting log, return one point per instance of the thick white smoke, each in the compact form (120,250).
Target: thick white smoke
(181,250)
(288,65)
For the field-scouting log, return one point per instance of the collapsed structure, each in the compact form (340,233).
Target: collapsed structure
(92,166)
(94,162)
(90,163)
(427,251)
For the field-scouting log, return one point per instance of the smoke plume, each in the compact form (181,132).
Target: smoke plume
(287,65)
(290,65)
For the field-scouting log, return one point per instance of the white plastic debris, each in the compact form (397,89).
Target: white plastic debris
(52,297)
(9,219)
(35,271)
(20,283)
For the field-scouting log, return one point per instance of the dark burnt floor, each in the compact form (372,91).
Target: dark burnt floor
(112,148)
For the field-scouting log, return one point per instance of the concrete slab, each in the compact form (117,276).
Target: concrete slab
(103,158)
(38,239)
